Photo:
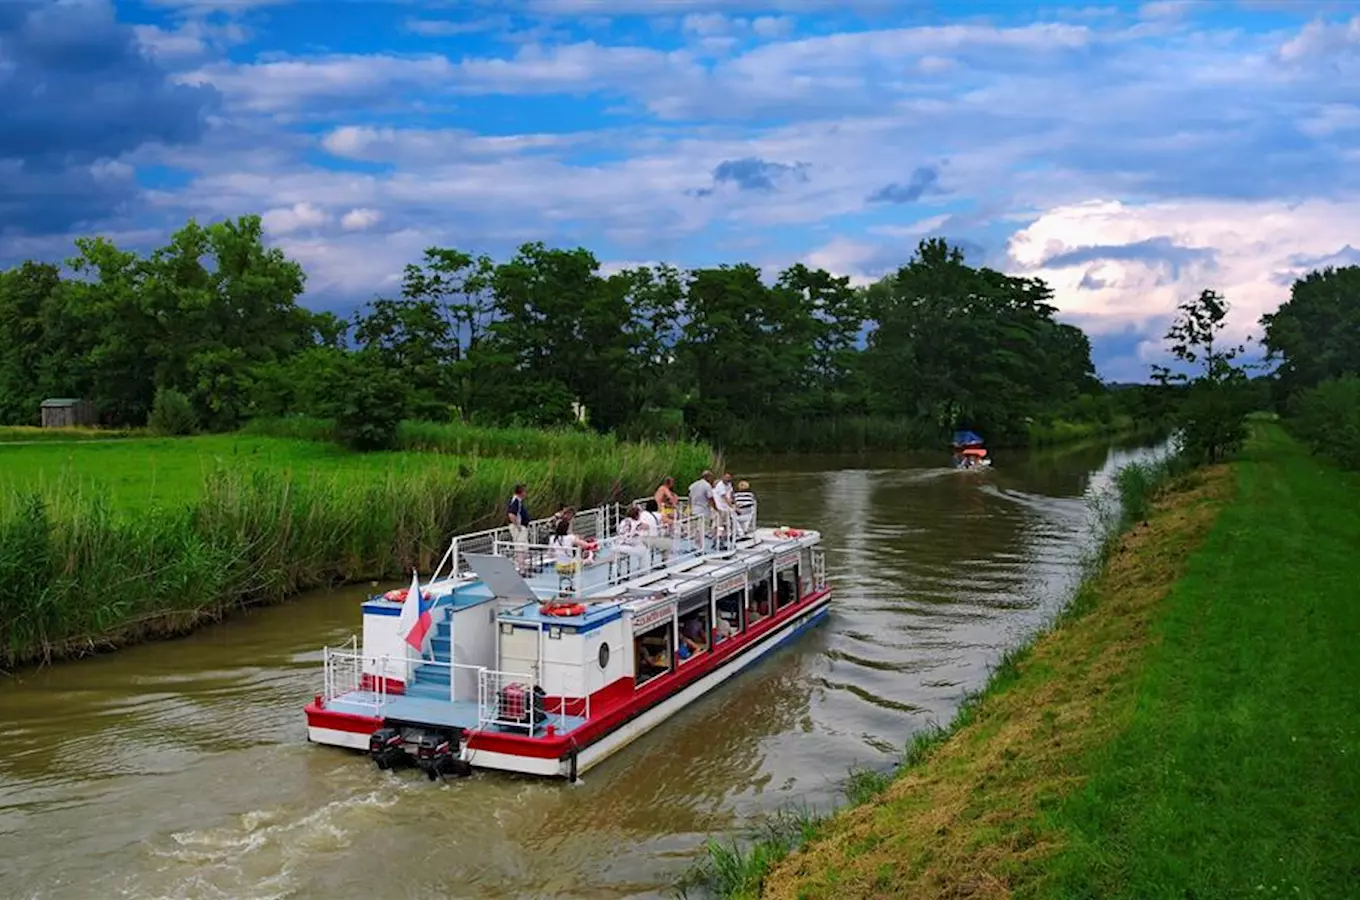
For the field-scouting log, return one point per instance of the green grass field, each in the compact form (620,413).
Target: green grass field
(102,543)
(144,472)
(1191,729)
(1239,773)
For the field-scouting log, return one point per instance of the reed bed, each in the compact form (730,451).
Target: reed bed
(80,571)
(466,440)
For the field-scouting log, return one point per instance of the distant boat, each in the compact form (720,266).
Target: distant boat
(968,451)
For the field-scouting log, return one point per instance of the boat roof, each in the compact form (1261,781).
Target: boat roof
(668,583)
(483,571)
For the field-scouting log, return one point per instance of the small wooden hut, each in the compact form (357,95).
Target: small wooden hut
(64,412)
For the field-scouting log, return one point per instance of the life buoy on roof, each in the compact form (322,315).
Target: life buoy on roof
(563,609)
(399,596)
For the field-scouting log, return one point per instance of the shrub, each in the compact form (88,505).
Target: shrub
(171,414)
(1327,418)
(1213,421)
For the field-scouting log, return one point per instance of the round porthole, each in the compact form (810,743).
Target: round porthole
(604,656)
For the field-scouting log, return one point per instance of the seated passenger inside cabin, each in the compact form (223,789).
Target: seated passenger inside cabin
(693,636)
(652,658)
(729,615)
(758,601)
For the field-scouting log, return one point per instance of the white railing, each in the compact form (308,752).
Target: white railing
(818,568)
(343,666)
(538,557)
(344,674)
(509,700)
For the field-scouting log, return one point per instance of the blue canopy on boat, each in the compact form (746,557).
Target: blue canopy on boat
(966,439)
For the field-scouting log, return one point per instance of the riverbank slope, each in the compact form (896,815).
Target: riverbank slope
(1191,728)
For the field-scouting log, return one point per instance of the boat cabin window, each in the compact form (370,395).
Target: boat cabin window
(758,601)
(786,587)
(728,621)
(694,635)
(695,615)
(652,652)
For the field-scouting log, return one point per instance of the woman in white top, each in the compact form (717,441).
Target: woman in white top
(563,542)
(631,537)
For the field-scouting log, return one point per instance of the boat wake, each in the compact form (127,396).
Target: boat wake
(263,854)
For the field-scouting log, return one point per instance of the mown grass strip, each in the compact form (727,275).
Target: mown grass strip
(964,817)
(1238,771)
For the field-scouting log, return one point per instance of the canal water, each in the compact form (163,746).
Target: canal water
(182,769)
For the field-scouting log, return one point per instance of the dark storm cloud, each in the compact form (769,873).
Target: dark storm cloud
(75,88)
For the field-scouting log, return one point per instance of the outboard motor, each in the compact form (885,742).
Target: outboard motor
(437,756)
(387,749)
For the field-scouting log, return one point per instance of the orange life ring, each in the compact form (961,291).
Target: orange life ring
(563,609)
(399,596)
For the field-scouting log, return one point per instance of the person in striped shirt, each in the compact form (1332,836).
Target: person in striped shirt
(744,502)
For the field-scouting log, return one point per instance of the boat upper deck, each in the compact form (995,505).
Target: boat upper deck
(603,600)
(489,566)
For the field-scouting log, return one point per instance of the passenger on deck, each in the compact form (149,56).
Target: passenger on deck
(518,516)
(563,542)
(722,503)
(652,530)
(701,500)
(745,503)
(631,537)
(666,499)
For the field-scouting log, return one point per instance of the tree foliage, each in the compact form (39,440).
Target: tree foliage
(1212,416)
(545,338)
(1315,334)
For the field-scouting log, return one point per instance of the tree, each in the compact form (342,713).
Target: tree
(1212,417)
(24,293)
(957,346)
(1315,335)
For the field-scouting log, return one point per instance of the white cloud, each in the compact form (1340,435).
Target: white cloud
(283,85)
(447,28)
(1258,248)
(298,217)
(709,24)
(772,26)
(410,145)
(360,219)
(192,39)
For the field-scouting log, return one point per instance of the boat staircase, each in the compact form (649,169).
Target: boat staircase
(430,679)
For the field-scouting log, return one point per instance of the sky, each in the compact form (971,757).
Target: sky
(1130,154)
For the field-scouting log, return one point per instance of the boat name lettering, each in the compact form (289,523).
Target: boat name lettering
(787,560)
(729,585)
(654,616)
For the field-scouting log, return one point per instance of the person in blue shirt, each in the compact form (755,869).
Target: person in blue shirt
(517,514)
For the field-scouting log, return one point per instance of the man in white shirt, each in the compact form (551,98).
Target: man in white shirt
(701,500)
(722,503)
(649,531)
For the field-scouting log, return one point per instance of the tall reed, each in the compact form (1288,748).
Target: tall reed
(77,574)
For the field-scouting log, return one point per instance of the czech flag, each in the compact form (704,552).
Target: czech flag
(415,622)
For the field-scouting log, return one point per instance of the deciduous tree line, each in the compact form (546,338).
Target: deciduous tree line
(544,338)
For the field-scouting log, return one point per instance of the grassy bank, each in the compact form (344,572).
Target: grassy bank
(1060,432)
(26,434)
(1188,729)
(103,544)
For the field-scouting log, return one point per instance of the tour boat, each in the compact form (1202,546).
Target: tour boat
(530,659)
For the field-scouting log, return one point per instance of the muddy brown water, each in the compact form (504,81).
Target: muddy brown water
(182,769)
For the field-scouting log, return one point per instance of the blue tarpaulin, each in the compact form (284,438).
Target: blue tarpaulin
(966,439)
